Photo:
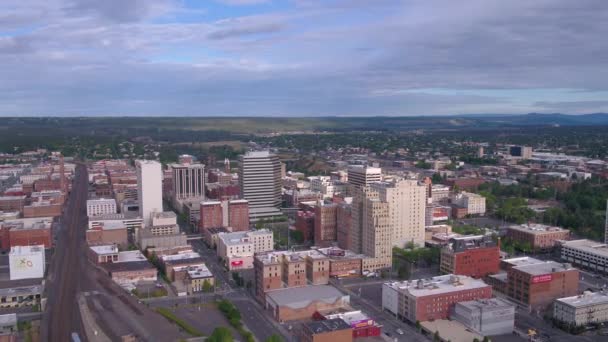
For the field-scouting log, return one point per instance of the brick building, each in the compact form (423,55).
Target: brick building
(344,225)
(538,236)
(325,224)
(305,223)
(211,215)
(111,232)
(26,232)
(330,330)
(297,303)
(431,299)
(228,213)
(473,256)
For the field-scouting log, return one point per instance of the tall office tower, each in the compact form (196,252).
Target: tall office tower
(149,189)
(377,231)
(260,181)
(188,180)
(227,168)
(406,201)
(480,152)
(362,176)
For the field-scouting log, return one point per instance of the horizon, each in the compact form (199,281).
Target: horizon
(302,58)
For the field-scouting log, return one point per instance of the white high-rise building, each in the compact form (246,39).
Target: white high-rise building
(406,206)
(149,189)
(360,176)
(260,181)
(188,181)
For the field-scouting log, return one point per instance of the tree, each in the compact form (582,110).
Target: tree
(207,287)
(418,325)
(221,334)
(436,337)
(486,339)
(436,178)
(274,338)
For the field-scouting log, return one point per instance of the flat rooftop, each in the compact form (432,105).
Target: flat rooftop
(589,246)
(438,285)
(487,304)
(26,250)
(328,325)
(199,271)
(164,214)
(300,297)
(585,299)
(180,256)
(536,228)
(128,266)
(546,267)
(522,261)
(104,249)
(131,256)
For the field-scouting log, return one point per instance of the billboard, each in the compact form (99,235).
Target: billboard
(236,263)
(27,265)
(545,278)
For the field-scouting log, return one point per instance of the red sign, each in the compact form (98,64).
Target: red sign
(542,278)
(237,263)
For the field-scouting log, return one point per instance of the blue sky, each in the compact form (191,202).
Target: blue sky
(302,57)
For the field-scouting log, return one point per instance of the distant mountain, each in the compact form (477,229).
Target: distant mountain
(538,119)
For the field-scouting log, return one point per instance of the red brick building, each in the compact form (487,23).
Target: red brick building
(537,236)
(12,203)
(325,224)
(344,225)
(238,215)
(473,256)
(211,215)
(305,223)
(431,299)
(467,184)
(539,284)
(26,232)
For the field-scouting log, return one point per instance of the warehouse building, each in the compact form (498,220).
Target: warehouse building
(487,317)
(590,307)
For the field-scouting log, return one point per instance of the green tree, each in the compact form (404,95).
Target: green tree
(274,338)
(221,334)
(207,287)
(436,337)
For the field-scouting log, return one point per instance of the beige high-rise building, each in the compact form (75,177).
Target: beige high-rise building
(406,201)
(377,232)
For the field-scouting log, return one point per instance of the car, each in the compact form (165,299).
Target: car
(387,333)
(399,331)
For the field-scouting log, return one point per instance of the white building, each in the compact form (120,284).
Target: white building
(149,189)
(359,175)
(237,249)
(487,317)
(26,262)
(101,206)
(326,186)
(590,307)
(260,182)
(406,201)
(475,204)
(588,254)
(188,181)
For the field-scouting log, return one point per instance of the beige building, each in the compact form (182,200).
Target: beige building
(237,249)
(590,307)
(475,204)
(406,201)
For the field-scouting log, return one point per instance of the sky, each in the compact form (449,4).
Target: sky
(302,57)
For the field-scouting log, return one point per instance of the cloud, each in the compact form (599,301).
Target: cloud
(302,57)
(242,2)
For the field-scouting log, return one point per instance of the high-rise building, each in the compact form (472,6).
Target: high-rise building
(377,231)
(360,176)
(260,181)
(325,226)
(480,152)
(406,201)
(188,180)
(149,189)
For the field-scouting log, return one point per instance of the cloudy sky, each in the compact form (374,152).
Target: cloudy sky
(302,57)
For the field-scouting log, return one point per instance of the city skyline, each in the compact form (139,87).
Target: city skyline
(301,58)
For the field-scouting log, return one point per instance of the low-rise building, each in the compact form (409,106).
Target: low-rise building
(475,204)
(26,232)
(587,254)
(538,283)
(96,207)
(27,262)
(590,307)
(102,254)
(362,324)
(8,324)
(109,232)
(538,236)
(237,248)
(475,256)
(297,303)
(21,293)
(487,317)
(431,299)
(330,330)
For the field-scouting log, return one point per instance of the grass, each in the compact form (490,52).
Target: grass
(169,315)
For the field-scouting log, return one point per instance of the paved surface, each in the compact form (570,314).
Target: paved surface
(62,314)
